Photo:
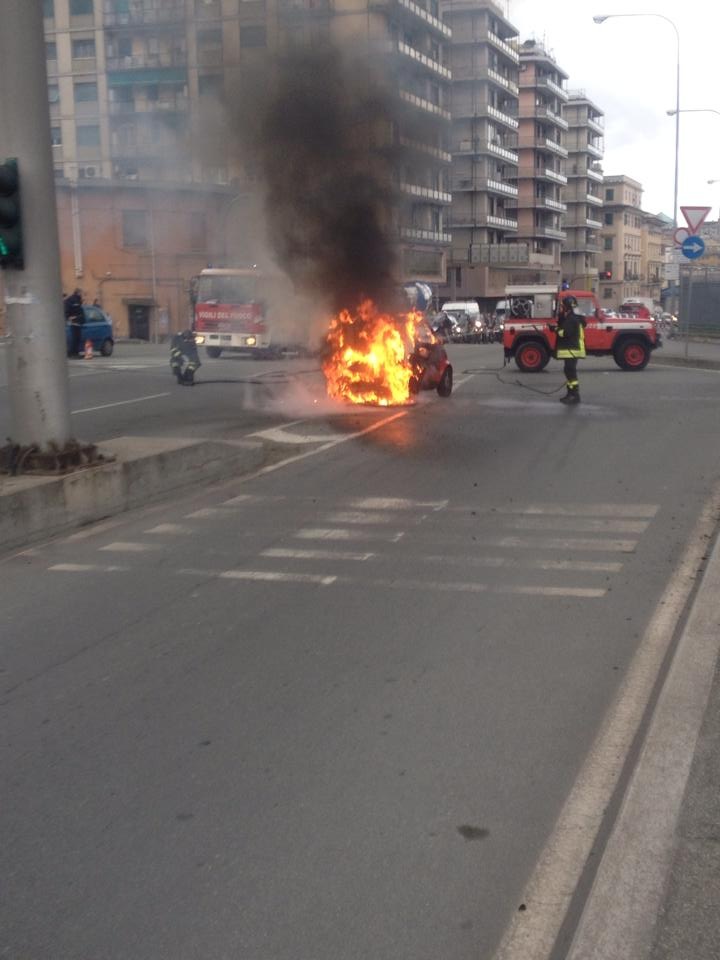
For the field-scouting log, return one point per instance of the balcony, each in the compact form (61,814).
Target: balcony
(482,220)
(595,173)
(483,185)
(543,113)
(509,49)
(428,236)
(415,145)
(125,108)
(425,193)
(148,61)
(541,203)
(433,66)
(595,150)
(502,117)
(420,103)
(503,82)
(591,198)
(170,14)
(545,83)
(596,124)
(407,7)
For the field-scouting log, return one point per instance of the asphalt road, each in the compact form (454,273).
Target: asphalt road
(335,709)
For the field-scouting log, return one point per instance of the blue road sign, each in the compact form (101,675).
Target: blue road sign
(693,247)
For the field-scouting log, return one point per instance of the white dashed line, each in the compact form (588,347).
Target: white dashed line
(120,403)
(174,529)
(122,546)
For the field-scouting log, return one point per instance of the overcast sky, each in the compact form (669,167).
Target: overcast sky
(627,67)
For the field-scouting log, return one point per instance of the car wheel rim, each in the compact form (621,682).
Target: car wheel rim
(634,356)
(531,357)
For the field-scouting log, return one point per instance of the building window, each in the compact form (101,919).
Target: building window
(53,93)
(51,51)
(134,228)
(210,84)
(607,243)
(48,9)
(252,37)
(83,49)
(198,232)
(81,8)
(55,136)
(609,194)
(86,93)
(88,135)
(609,218)
(607,293)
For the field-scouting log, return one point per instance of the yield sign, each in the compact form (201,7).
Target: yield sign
(694,217)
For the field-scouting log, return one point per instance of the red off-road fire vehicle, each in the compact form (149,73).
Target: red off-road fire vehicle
(528,339)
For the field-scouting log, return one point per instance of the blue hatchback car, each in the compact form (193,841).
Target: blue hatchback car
(97,328)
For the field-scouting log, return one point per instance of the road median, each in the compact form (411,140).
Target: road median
(142,469)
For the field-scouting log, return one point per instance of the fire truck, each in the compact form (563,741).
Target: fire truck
(230,312)
(531,310)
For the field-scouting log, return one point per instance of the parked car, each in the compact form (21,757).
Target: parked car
(97,328)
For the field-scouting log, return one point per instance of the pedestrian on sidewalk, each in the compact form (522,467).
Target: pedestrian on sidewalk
(570,346)
(184,359)
(75,316)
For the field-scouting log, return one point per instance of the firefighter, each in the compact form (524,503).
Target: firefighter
(570,346)
(184,359)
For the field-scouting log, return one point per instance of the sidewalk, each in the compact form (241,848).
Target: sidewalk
(694,352)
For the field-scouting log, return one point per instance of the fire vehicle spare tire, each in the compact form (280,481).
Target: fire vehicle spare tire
(632,354)
(532,356)
(213,352)
(444,387)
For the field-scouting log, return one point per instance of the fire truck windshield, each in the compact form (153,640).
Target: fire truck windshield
(227,289)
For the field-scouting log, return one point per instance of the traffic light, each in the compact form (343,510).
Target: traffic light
(606,275)
(11,238)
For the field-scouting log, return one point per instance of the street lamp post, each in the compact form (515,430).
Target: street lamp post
(601,18)
(671,113)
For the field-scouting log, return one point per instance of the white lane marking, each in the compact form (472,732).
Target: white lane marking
(396,503)
(577,524)
(123,546)
(458,383)
(120,403)
(325,446)
(532,933)
(203,513)
(281,435)
(585,566)
(315,554)
(271,576)
(559,543)
(175,529)
(521,589)
(86,568)
(337,533)
(359,516)
(241,498)
(647,510)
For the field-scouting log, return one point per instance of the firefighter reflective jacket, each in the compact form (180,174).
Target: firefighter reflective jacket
(570,336)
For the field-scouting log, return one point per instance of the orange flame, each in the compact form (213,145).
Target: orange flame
(366,357)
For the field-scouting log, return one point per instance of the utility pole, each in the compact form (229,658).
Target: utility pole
(37,368)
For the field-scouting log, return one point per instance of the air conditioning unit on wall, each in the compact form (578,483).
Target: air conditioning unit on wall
(87,173)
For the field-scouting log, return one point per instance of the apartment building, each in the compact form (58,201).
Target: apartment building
(634,244)
(484,60)
(542,159)
(142,166)
(582,220)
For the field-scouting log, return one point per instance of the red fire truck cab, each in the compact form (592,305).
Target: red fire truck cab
(528,339)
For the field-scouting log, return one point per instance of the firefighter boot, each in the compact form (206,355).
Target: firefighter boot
(189,377)
(572,396)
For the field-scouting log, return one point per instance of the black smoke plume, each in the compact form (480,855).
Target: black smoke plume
(307,125)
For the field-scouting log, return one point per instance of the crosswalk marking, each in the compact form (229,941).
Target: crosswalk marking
(282,553)
(174,529)
(121,546)
(396,503)
(339,533)
(360,516)
(599,544)
(272,576)
(577,524)
(86,568)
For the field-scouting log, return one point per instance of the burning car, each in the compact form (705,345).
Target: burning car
(371,357)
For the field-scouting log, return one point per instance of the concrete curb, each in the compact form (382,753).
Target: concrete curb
(689,362)
(144,469)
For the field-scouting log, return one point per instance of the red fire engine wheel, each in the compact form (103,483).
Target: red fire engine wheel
(532,356)
(632,354)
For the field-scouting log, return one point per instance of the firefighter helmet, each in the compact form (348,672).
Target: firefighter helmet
(569,302)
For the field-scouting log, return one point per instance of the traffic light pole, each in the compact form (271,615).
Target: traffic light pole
(36,346)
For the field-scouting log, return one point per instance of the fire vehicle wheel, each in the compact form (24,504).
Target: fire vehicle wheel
(444,387)
(213,352)
(532,357)
(632,355)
